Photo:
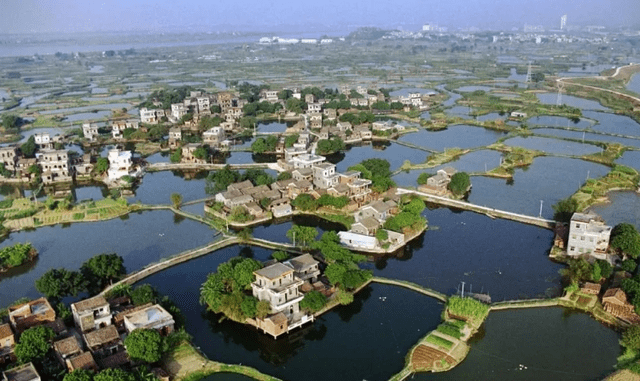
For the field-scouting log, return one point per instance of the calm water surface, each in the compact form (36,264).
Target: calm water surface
(623,207)
(553,146)
(460,136)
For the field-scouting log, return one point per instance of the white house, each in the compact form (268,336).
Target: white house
(588,235)
(120,164)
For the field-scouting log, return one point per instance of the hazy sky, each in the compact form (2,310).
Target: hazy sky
(41,16)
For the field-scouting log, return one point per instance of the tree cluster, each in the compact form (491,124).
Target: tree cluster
(16,255)
(376,170)
(262,145)
(564,209)
(409,217)
(329,146)
(359,118)
(460,183)
(343,270)
(626,239)
(225,290)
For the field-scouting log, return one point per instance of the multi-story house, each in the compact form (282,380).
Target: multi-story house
(9,157)
(90,131)
(151,317)
(269,95)
(43,140)
(588,235)
(188,154)
(120,164)
(92,313)
(7,343)
(31,314)
(278,285)
(325,176)
(55,165)
(213,137)
(152,116)
(178,110)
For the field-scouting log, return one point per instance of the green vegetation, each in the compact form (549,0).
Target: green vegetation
(625,239)
(262,145)
(224,290)
(59,283)
(450,330)
(460,183)
(302,234)
(305,202)
(34,344)
(280,256)
(102,165)
(218,181)
(329,146)
(145,345)
(564,209)
(439,341)
(467,308)
(16,255)
(176,200)
(423,177)
(409,217)
(28,148)
(342,270)
(376,170)
(101,270)
(313,301)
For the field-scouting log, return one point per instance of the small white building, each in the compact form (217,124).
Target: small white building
(92,313)
(152,116)
(588,235)
(90,131)
(178,110)
(120,164)
(213,137)
(358,241)
(43,140)
(152,317)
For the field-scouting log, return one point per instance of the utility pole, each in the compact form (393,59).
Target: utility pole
(462,293)
(540,215)
(294,238)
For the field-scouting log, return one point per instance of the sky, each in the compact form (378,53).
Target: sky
(47,16)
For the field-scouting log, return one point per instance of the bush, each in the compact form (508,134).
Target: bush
(449,330)
(467,308)
(460,182)
(313,301)
(439,341)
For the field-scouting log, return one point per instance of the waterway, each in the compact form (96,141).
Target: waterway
(614,124)
(460,136)
(552,146)
(395,153)
(549,179)
(157,187)
(622,207)
(140,238)
(569,100)
(372,324)
(631,159)
(552,343)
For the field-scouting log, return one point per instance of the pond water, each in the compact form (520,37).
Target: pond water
(585,104)
(382,332)
(271,127)
(140,238)
(87,116)
(394,153)
(108,106)
(157,187)
(634,84)
(277,231)
(587,136)
(614,124)
(53,131)
(425,115)
(131,94)
(227,377)
(507,259)
(549,179)
(631,159)
(452,100)
(99,90)
(469,89)
(96,69)
(537,338)
(158,157)
(491,116)
(461,136)
(406,91)
(559,121)
(553,146)
(90,192)
(463,112)
(472,162)
(623,207)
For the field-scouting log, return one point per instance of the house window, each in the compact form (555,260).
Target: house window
(577,226)
(573,248)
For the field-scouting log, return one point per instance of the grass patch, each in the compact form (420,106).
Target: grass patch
(439,341)
(449,330)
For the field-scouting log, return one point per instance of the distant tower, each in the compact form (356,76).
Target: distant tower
(560,89)
(563,22)
(529,73)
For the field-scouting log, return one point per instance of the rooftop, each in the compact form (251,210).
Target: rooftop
(82,361)
(101,336)
(67,346)
(5,331)
(26,372)
(302,262)
(274,271)
(151,317)
(90,304)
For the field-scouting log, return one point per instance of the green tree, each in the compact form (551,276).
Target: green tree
(145,345)
(34,344)
(280,256)
(176,156)
(631,337)
(79,375)
(605,268)
(579,270)
(302,234)
(596,272)
(58,283)
(249,306)
(28,148)
(10,122)
(564,209)
(201,153)
(263,309)
(460,183)
(629,265)
(313,301)
(113,374)
(258,177)
(176,200)
(284,176)
(382,235)
(103,269)
(305,201)
(218,181)
(423,177)
(143,294)
(102,165)
(626,239)
(344,297)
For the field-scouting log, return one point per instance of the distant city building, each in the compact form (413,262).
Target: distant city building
(563,22)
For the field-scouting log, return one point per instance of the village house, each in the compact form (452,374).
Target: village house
(213,137)
(438,184)
(378,210)
(329,113)
(590,288)
(358,241)
(325,176)
(306,160)
(151,317)
(281,207)
(90,131)
(92,313)
(363,132)
(152,116)
(103,342)
(9,157)
(82,165)
(31,314)
(43,140)
(615,302)
(66,348)
(270,96)
(7,343)
(175,136)
(26,372)
(23,164)
(314,107)
(366,226)
(120,164)
(309,98)
(278,285)
(588,235)
(178,110)
(305,267)
(518,114)
(204,104)
(83,360)
(188,154)
(297,188)
(55,165)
